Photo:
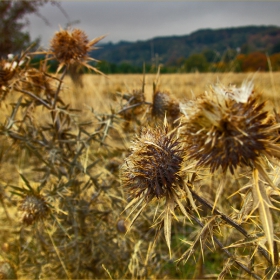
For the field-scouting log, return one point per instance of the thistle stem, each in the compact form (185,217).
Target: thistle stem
(33,96)
(59,87)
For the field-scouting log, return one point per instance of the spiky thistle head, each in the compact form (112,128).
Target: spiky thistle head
(34,208)
(72,46)
(227,127)
(134,105)
(153,168)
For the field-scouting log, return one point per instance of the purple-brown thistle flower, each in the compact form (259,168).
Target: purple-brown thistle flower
(228,127)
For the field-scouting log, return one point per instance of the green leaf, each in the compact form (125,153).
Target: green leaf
(26,183)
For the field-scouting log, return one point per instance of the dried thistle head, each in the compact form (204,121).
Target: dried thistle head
(153,168)
(7,73)
(163,104)
(156,168)
(70,47)
(227,127)
(38,82)
(130,109)
(34,208)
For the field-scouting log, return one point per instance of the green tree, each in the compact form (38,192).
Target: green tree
(196,62)
(12,22)
(211,55)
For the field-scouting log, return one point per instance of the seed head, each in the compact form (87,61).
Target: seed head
(129,111)
(154,166)
(33,208)
(70,47)
(227,127)
(163,104)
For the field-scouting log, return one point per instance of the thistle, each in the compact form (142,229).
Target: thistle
(37,82)
(230,127)
(133,107)
(70,47)
(163,104)
(155,170)
(33,208)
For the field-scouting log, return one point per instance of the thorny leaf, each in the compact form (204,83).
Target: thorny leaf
(201,237)
(169,209)
(227,266)
(262,200)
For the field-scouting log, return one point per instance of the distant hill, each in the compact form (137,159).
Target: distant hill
(170,49)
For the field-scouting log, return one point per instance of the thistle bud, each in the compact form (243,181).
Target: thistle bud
(33,208)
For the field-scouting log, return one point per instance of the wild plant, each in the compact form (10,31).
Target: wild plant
(139,190)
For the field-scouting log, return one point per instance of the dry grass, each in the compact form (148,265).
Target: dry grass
(96,87)
(65,213)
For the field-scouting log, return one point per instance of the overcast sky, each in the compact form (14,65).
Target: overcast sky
(142,20)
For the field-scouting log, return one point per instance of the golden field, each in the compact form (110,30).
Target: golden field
(49,158)
(181,86)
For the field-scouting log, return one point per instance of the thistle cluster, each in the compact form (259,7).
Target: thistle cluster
(228,127)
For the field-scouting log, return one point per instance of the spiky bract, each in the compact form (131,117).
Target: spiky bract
(34,208)
(154,166)
(227,127)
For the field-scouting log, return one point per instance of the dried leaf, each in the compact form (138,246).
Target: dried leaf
(181,206)
(201,237)
(167,222)
(190,198)
(261,198)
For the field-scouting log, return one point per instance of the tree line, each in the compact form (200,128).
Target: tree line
(207,61)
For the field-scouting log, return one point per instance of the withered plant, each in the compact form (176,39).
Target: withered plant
(140,190)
